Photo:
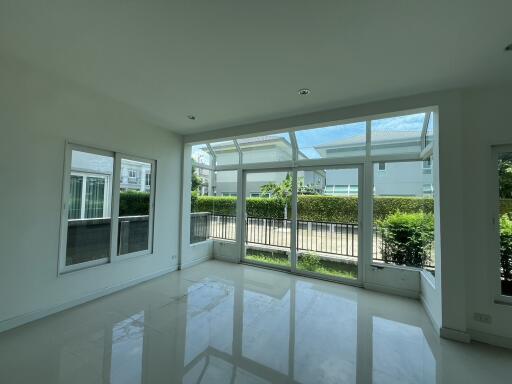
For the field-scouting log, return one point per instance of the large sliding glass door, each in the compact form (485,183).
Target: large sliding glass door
(268,225)
(299,234)
(328,228)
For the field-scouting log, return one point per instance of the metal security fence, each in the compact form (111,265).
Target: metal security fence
(322,237)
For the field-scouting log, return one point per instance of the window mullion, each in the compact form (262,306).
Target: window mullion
(115,193)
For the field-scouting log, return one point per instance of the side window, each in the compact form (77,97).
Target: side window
(504,168)
(91,231)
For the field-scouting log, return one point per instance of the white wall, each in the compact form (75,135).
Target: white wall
(486,121)
(38,114)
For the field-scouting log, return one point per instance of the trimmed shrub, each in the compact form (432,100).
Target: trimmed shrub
(133,203)
(334,209)
(226,205)
(327,208)
(506,206)
(407,238)
(506,246)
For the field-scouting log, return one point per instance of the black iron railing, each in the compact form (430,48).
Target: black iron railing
(322,237)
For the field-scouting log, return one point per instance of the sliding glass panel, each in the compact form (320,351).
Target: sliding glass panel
(327,239)
(403,214)
(134,207)
(267,222)
(223,205)
(226,152)
(397,135)
(95,197)
(266,149)
(75,196)
(89,202)
(213,205)
(344,140)
(505,223)
(200,208)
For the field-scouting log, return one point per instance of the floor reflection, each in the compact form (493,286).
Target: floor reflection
(219,323)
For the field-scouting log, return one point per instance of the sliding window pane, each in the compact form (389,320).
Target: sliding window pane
(400,135)
(267,221)
(95,197)
(89,221)
(134,206)
(344,140)
(505,195)
(75,196)
(200,210)
(328,239)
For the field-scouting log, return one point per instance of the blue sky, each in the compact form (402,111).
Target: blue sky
(310,138)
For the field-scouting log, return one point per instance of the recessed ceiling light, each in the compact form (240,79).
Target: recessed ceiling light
(191,117)
(304,91)
(508,47)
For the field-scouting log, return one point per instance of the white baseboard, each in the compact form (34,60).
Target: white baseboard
(433,320)
(453,334)
(191,263)
(489,338)
(226,259)
(391,290)
(25,318)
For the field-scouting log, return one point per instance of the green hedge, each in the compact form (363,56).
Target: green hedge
(313,207)
(132,203)
(226,205)
(407,238)
(506,206)
(506,247)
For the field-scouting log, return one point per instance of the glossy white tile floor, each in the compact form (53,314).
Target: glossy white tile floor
(226,323)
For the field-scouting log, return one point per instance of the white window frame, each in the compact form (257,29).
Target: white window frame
(114,188)
(494,200)
(115,203)
(367,159)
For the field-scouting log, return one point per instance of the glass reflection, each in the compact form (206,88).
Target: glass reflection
(401,354)
(255,329)
(127,350)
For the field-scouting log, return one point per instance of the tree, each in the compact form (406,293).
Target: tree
(505,175)
(283,190)
(196,180)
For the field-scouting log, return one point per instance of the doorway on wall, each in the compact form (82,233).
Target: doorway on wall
(295,222)
(267,234)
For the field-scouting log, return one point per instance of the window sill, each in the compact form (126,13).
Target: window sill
(102,263)
(431,279)
(201,242)
(391,266)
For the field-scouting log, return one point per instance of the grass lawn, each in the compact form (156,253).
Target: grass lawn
(325,267)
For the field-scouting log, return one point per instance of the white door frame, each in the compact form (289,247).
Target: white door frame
(362,255)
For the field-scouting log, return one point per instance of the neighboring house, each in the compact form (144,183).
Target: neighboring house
(135,176)
(390,179)
(91,183)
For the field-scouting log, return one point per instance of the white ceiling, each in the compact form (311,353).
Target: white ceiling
(234,62)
